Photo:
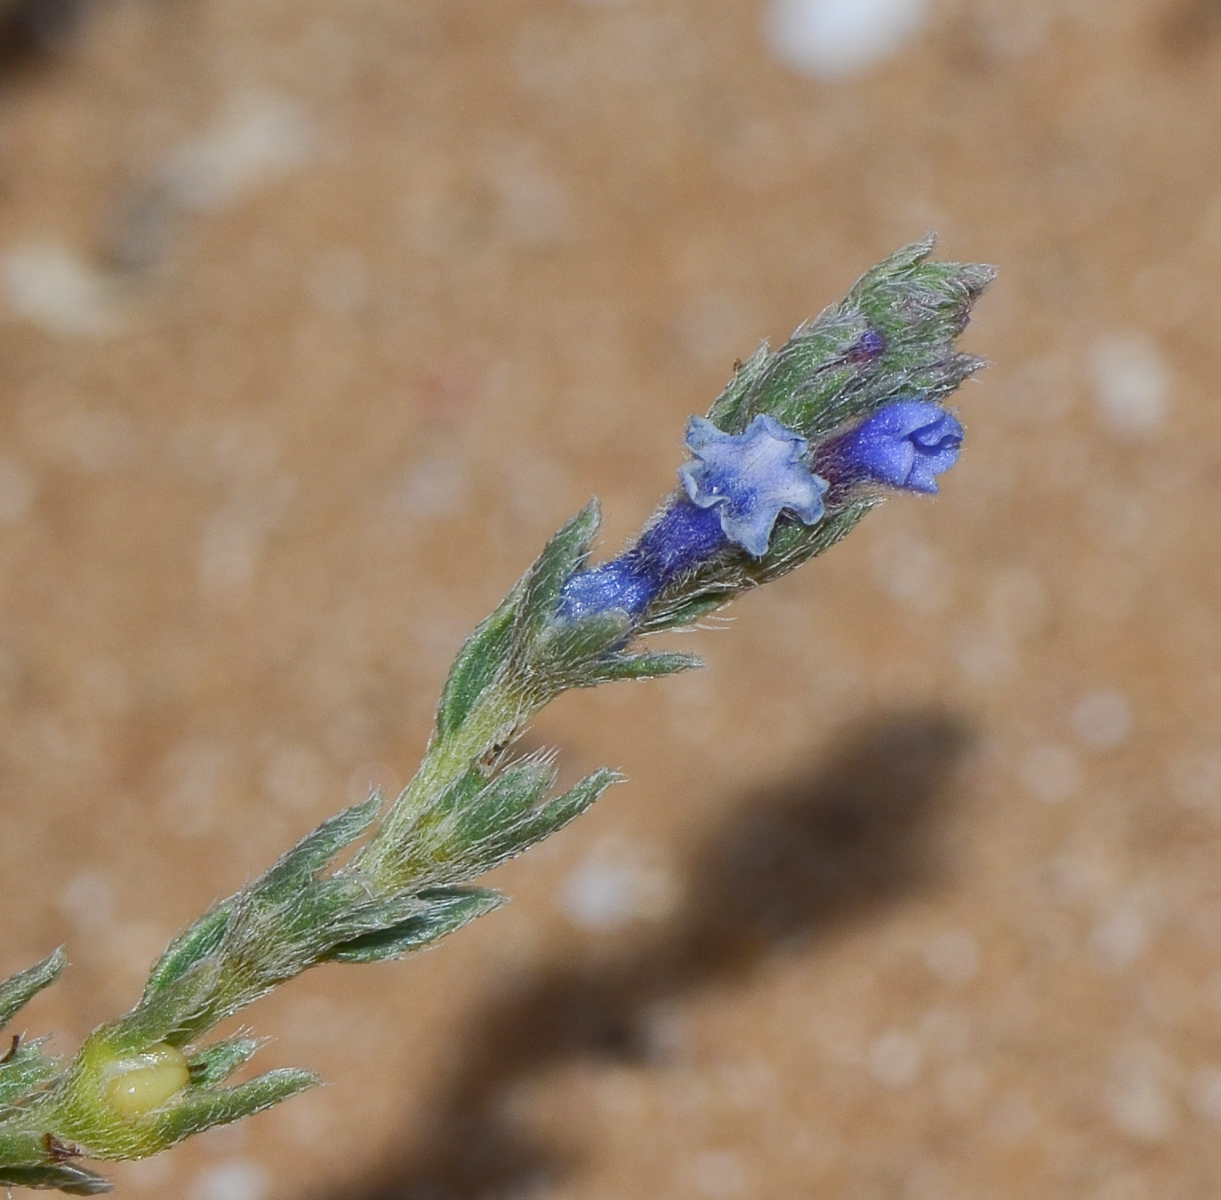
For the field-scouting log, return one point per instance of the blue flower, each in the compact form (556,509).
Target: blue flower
(735,490)
(679,538)
(750,477)
(907,444)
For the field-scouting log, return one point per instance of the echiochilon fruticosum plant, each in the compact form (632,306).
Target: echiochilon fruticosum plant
(799,446)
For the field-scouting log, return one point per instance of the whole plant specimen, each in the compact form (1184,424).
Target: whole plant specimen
(800,445)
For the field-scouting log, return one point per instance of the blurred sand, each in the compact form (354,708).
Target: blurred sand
(320,316)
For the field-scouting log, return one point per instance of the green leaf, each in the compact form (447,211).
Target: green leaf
(217,1062)
(816,381)
(448,910)
(205,1108)
(63,1177)
(569,644)
(17,990)
(551,816)
(190,947)
(637,666)
(480,659)
(684,614)
(315,851)
(563,555)
(515,790)
(166,1013)
(27,1070)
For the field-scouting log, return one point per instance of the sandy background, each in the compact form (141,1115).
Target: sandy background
(320,316)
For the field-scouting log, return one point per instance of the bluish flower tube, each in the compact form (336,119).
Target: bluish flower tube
(736,489)
(906,444)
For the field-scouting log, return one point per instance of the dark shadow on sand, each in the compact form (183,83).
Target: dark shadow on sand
(795,862)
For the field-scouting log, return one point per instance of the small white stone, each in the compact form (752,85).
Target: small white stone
(434,488)
(234,1180)
(719,1174)
(1131,385)
(16,491)
(1050,772)
(53,287)
(1139,1096)
(259,137)
(912,572)
(199,782)
(832,39)
(88,900)
(1195,781)
(1102,719)
(1205,1093)
(1120,938)
(615,887)
(895,1059)
(953,957)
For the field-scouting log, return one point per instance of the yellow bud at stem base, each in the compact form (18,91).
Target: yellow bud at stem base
(135,1086)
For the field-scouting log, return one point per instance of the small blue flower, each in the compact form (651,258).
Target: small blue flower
(907,444)
(750,477)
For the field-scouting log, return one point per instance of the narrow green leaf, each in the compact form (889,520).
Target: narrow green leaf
(515,790)
(564,647)
(204,1108)
(17,990)
(62,1177)
(481,657)
(564,554)
(314,851)
(683,615)
(637,666)
(190,947)
(217,1062)
(26,1071)
(165,1013)
(448,910)
(548,818)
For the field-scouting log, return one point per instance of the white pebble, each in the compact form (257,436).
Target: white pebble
(234,1180)
(1195,781)
(199,783)
(1131,385)
(16,491)
(1102,719)
(88,900)
(913,573)
(831,39)
(1139,1096)
(613,889)
(258,138)
(953,957)
(1205,1093)
(1051,772)
(434,488)
(895,1059)
(53,287)
(1120,938)
(719,1174)
(338,282)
